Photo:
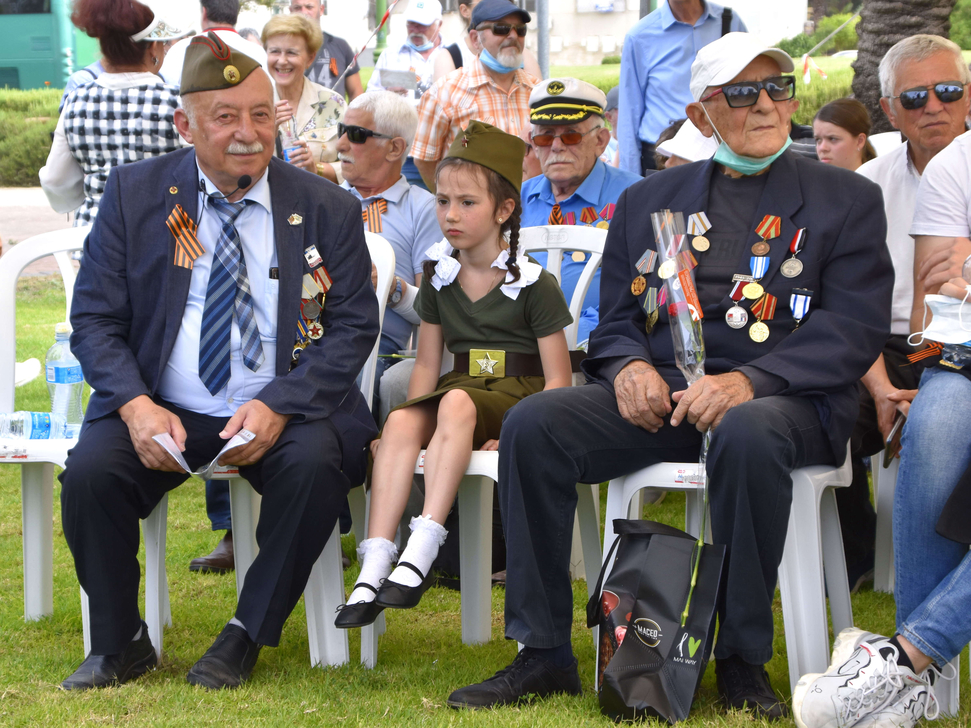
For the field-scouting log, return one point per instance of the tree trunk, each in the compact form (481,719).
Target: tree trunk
(882,24)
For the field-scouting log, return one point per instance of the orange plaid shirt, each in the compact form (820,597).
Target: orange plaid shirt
(463,95)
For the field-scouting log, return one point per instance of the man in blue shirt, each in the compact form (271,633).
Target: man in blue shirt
(655,69)
(576,187)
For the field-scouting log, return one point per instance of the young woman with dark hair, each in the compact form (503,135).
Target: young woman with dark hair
(841,129)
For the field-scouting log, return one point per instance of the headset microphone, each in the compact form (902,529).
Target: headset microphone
(242,183)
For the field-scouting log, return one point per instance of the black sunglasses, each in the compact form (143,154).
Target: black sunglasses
(357,134)
(504,28)
(916,98)
(746,93)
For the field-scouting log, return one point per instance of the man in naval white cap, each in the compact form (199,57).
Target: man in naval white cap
(780,391)
(576,188)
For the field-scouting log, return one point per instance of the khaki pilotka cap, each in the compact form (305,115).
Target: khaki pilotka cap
(211,65)
(492,148)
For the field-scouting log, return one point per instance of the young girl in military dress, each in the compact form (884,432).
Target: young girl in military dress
(502,316)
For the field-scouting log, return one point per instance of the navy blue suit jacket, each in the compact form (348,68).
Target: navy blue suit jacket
(129,297)
(846,264)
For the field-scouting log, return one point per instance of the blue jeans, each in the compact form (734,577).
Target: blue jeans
(933,573)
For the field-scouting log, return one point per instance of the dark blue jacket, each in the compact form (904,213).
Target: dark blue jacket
(846,264)
(129,296)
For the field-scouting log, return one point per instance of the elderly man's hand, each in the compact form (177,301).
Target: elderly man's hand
(706,401)
(642,395)
(145,419)
(945,263)
(262,422)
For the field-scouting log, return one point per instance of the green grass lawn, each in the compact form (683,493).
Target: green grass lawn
(422,658)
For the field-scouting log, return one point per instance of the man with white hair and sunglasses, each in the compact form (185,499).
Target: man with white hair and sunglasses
(780,390)
(372,145)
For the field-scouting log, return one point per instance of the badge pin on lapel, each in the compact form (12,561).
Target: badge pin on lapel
(295,219)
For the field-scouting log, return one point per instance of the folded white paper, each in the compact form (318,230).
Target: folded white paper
(165,440)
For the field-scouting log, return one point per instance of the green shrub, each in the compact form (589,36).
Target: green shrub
(845,40)
(961,24)
(27,119)
(610,60)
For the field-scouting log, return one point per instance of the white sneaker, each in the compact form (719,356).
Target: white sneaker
(910,706)
(862,679)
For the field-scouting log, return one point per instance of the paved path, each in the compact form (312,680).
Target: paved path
(24,211)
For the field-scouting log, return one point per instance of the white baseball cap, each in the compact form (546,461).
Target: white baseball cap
(689,143)
(719,62)
(423,12)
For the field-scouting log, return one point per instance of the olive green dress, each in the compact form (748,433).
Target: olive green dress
(495,321)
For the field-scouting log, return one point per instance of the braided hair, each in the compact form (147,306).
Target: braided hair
(499,189)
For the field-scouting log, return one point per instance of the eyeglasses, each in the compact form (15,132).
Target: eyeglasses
(504,28)
(358,134)
(746,93)
(916,98)
(568,137)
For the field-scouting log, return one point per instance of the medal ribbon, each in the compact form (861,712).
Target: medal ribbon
(934,348)
(736,294)
(323,279)
(607,213)
(686,261)
(698,224)
(758,264)
(645,266)
(372,215)
(571,218)
(650,300)
(764,308)
(770,227)
(302,333)
(799,303)
(187,245)
(556,216)
(333,67)
(798,242)
(588,215)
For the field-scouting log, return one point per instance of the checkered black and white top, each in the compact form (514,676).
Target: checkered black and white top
(105,127)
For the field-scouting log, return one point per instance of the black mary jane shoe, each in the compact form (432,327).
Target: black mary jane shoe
(398,596)
(361,614)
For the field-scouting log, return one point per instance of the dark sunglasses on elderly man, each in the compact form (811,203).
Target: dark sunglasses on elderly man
(568,137)
(504,28)
(917,98)
(746,93)
(358,134)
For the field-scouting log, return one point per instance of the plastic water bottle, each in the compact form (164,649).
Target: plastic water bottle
(65,383)
(288,139)
(31,426)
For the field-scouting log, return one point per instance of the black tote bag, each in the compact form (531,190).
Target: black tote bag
(649,665)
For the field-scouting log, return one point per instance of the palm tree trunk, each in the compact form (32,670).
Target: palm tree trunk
(882,24)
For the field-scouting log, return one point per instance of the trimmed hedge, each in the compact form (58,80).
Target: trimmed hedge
(27,119)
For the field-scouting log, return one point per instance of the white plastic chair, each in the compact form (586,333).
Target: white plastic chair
(325,587)
(813,539)
(476,489)
(36,458)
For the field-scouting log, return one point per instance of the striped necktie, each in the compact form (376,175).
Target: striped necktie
(228,291)
(556,215)
(372,215)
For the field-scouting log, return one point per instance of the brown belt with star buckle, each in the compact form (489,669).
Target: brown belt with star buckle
(499,363)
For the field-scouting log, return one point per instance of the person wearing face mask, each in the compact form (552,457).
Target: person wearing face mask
(798,245)
(494,88)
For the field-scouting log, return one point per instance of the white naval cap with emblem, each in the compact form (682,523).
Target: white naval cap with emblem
(565,101)
(721,61)
(423,12)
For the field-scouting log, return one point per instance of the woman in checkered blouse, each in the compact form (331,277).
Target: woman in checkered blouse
(124,115)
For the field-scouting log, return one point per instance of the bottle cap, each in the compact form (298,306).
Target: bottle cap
(62,328)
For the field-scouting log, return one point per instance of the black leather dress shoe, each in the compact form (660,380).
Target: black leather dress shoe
(398,596)
(228,663)
(100,671)
(529,676)
(220,561)
(358,615)
(743,686)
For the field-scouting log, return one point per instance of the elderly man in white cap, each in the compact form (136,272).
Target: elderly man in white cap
(576,187)
(780,391)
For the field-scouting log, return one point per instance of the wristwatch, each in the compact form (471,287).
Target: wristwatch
(395,297)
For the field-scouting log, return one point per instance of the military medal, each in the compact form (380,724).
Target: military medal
(667,269)
(578,257)
(799,303)
(753,291)
(793,266)
(769,228)
(736,316)
(315,331)
(638,286)
(310,309)
(698,225)
(759,264)
(758,332)
(761,248)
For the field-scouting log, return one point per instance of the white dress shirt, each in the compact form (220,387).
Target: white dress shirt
(180,383)
(405,58)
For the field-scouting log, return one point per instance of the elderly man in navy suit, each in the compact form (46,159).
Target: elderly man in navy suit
(222,291)
(780,391)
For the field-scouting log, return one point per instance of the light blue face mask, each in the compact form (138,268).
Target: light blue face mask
(428,45)
(748,166)
(490,62)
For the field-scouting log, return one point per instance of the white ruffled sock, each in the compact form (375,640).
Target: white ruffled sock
(426,538)
(377,556)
